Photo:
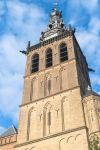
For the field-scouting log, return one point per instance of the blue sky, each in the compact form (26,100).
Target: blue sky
(23,20)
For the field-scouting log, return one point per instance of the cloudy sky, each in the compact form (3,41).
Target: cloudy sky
(23,20)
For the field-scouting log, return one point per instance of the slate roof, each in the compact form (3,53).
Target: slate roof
(10,131)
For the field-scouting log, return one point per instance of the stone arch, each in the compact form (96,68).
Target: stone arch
(60,76)
(64,114)
(34,87)
(62,42)
(87,112)
(32,148)
(63,73)
(63,52)
(48,58)
(71,143)
(56,83)
(47,84)
(69,138)
(32,123)
(35,63)
(28,123)
(60,144)
(46,110)
(46,105)
(77,136)
(79,140)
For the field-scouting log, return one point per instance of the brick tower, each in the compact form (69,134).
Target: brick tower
(52,114)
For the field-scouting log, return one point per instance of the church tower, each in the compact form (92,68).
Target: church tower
(56,79)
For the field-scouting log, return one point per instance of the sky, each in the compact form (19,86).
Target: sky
(24,20)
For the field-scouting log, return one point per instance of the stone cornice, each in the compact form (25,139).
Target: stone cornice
(8,143)
(51,136)
(50,96)
(94,132)
(52,67)
(8,136)
(49,41)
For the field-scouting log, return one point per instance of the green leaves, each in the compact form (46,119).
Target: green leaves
(94,142)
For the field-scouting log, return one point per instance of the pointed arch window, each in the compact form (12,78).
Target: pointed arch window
(35,63)
(63,52)
(49,118)
(48,58)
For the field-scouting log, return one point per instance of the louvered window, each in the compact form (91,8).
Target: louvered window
(63,52)
(48,58)
(35,63)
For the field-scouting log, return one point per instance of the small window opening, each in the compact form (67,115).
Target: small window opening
(35,63)
(49,85)
(49,118)
(63,52)
(48,58)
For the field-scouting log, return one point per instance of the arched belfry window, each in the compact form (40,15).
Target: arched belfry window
(63,52)
(35,63)
(48,58)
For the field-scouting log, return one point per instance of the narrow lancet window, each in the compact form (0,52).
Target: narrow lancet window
(35,63)
(49,58)
(63,52)
(49,118)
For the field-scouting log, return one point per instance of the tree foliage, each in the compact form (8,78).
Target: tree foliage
(94,142)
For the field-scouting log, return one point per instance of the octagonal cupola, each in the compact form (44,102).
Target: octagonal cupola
(55,26)
(56,20)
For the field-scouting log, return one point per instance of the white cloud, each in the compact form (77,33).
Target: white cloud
(9,46)
(94,25)
(89,41)
(2,10)
(53,2)
(89,38)
(25,19)
(88,35)
(96,79)
(90,6)
(81,11)
(23,22)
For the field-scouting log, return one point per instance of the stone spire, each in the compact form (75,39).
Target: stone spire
(55,26)
(56,20)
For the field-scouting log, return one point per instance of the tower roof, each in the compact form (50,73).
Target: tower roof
(10,131)
(55,30)
(55,26)
(55,19)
